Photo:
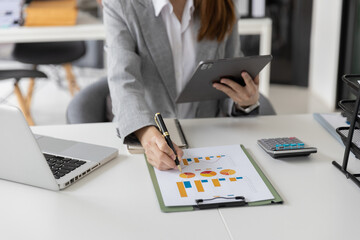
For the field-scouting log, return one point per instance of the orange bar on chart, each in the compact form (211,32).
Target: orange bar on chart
(216,182)
(199,186)
(207,158)
(181,188)
(232,179)
(185,162)
(196,160)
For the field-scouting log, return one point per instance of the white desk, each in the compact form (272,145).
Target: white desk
(114,203)
(117,201)
(320,203)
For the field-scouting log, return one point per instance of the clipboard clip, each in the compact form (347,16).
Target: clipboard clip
(203,203)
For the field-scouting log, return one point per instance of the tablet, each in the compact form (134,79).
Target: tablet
(199,87)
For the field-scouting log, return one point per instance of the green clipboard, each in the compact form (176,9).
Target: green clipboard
(277,199)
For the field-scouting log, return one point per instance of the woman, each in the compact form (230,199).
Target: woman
(153,47)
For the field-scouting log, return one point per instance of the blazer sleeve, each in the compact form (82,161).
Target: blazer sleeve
(124,74)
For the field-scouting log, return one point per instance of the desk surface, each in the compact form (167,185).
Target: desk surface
(320,203)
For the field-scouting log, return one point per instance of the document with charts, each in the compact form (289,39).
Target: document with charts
(212,172)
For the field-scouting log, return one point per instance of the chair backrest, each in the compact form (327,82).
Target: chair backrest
(90,104)
(93,104)
(266,108)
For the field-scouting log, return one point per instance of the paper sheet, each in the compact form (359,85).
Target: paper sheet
(332,121)
(222,171)
(336,120)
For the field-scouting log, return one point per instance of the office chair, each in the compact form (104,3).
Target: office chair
(93,104)
(24,101)
(45,53)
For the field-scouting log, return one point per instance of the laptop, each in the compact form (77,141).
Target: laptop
(42,161)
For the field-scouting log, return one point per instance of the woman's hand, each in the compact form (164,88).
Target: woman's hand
(158,152)
(242,96)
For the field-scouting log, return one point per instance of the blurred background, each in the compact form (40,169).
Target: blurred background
(313,42)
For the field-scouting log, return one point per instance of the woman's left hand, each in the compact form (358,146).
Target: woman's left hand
(242,96)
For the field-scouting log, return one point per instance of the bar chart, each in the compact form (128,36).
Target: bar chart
(208,159)
(205,180)
(208,173)
(201,185)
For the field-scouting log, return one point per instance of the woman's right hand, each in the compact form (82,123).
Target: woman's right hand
(158,152)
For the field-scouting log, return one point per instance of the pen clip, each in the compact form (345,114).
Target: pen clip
(161,125)
(156,121)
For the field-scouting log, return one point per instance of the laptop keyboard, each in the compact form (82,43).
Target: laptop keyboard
(60,166)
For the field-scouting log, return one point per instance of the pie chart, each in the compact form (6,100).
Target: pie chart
(208,173)
(187,175)
(227,172)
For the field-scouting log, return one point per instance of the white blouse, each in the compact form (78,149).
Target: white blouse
(183,41)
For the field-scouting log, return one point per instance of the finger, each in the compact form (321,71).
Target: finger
(249,81)
(153,160)
(257,80)
(240,93)
(232,84)
(164,147)
(158,158)
(165,154)
(252,87)
(225,89)
(162,161)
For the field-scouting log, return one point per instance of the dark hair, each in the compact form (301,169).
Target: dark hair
(217,18)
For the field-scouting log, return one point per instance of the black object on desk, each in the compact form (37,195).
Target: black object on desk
(162,127)
(350,135)
(285,147)
(204,203)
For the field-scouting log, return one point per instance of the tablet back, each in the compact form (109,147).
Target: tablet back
(199,87)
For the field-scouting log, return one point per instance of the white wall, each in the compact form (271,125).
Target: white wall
(324,53)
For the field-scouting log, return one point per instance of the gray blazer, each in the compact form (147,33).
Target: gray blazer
(140,65)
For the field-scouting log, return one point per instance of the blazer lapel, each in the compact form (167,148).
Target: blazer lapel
(157,42)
